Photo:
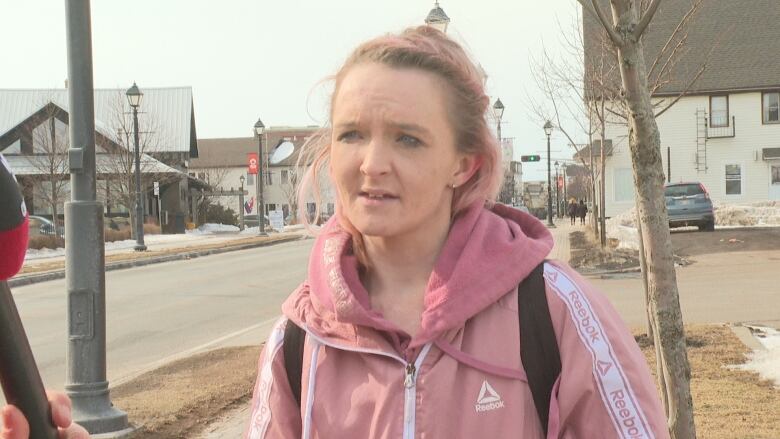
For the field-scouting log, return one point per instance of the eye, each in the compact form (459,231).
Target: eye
(409,140)
(348,136)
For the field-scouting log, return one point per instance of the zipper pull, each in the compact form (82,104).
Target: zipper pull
(410,376)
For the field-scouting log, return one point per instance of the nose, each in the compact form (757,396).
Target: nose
(376,159)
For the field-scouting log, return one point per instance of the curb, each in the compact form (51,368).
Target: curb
(120,265)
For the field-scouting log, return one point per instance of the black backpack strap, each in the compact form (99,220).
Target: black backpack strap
(294,337)
(538,346)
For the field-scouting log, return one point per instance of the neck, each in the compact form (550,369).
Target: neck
(405,261)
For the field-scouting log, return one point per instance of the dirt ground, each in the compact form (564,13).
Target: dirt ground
(181,399)
(728,404)
(692,242)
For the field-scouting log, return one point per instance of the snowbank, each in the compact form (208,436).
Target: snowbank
(765,362)
(213,228)
(759,214)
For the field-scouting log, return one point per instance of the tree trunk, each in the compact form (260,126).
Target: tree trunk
(644,141)
(596,206)
(602,187)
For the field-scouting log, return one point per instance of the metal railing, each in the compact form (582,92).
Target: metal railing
(722,131)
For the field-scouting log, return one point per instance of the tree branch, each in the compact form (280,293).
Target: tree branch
(684,92)
(595,10)
(649,13)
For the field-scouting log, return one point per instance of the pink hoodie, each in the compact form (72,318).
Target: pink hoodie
(461,375)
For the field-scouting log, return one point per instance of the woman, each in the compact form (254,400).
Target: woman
(410,306)
(572,210)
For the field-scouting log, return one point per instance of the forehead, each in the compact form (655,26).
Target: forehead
(399,91)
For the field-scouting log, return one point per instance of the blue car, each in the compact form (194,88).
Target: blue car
(689,204)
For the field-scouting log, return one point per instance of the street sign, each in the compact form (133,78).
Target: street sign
(156,188)
(252,162)
(276,217)
(530,158)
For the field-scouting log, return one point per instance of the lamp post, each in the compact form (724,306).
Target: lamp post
(259,130)
(557,192)
(134,96)
(548,127)
(437,18)
(241,204)
(498,111)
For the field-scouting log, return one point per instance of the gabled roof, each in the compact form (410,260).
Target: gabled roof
(232,152)
(737,40)
(171,109)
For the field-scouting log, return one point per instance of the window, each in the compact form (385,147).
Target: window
(624,184)
(285,178)
(733,180)
(250,179)
(202,175)
(14,148)
(270,207)
(775,174)
(719,111)
(771,107)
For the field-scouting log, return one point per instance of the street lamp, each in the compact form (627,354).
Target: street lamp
(548,127)
(259,130)
(241,203)
(557,192)
(498,110)
(134,96)
(437,18)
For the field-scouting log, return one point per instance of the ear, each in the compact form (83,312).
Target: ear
(467,166)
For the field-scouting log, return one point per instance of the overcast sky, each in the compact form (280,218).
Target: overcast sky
(250,58)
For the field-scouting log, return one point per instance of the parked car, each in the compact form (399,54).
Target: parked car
(251,221)
(42,226)
(689,204)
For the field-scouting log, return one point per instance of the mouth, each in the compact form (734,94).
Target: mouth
(376,196)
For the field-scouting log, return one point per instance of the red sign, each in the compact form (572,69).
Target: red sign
(560,181)
(251,159)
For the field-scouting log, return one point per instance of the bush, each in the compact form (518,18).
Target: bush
(216,213)
(45,241)
(151,229)
(116,235)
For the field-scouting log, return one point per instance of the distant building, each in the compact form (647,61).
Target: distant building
(222,163)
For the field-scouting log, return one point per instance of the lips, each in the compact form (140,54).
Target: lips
(376,197)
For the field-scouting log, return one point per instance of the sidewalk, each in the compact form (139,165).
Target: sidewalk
(561,250)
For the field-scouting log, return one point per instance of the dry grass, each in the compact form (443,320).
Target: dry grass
(45,241)
(180,399)
(728,404)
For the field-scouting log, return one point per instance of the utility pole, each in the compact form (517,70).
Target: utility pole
(86,383)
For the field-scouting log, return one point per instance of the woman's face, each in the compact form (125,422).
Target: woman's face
(393,153)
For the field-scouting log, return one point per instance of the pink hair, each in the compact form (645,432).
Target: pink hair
(430,50)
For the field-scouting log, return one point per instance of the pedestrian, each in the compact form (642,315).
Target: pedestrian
(582,210)
(572,211)
(408,322)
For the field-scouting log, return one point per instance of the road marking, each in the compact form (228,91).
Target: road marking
(187,353)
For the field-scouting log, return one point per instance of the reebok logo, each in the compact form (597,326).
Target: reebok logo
(488,399)
(603,366)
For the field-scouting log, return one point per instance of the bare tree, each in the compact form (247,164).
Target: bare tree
(119,163)
(290,190)
(625,29)
(50,158)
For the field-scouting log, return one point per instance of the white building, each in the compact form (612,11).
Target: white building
(725,131)
(222,163)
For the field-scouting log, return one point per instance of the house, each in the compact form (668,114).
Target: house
(725,129)
(34,140)
(223,162)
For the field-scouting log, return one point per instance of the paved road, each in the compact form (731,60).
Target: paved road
(160,312)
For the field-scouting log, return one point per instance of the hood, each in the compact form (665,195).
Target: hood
(488,253)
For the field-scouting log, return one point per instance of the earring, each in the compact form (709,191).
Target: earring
(453,185)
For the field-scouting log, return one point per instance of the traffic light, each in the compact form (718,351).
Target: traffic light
(529,158)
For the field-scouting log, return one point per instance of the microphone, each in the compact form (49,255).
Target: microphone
(19,375)
(13,223)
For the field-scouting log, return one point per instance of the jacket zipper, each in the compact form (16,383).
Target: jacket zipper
(410,379)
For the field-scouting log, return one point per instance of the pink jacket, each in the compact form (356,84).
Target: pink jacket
(461,375)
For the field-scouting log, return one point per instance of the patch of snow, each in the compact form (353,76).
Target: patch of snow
(727,216)
(765,362)
(214,228)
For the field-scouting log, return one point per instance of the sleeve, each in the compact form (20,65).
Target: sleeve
(274,414)
(605,389)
